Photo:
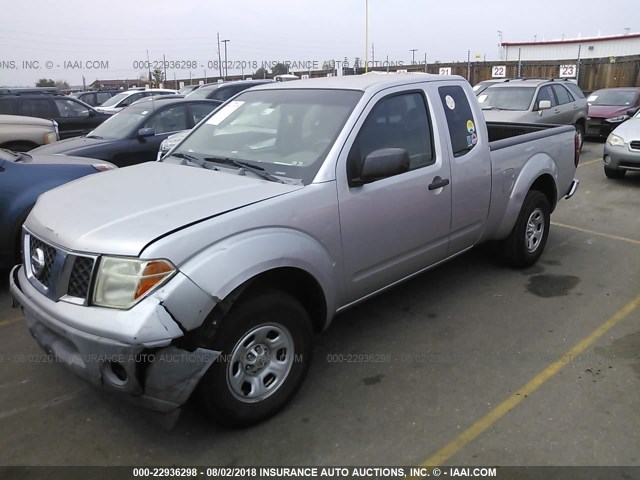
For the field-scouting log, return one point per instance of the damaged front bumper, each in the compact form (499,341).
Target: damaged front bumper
(149,370)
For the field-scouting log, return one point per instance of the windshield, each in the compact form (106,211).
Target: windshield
(201,93)
(119,126)
(115,99)
(619,98)
(506,98)
(286,132)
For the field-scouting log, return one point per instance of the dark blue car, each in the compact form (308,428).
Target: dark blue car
(23,177)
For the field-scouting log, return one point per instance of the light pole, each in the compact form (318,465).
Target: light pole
(366,36)
(225,58)
(413,55)
(500,44)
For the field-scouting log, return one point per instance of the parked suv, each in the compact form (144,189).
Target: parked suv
(95,97)
(536,101)
(74,117)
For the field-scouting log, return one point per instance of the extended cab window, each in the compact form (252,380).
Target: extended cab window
(400,121)
(462,125)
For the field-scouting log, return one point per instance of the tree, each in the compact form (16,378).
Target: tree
(261,73)
(45,82)
(62,84)
(157,76)
(280,69)
(96,84)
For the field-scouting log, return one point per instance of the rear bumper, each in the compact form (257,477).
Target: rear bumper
(572,188)
(161,378)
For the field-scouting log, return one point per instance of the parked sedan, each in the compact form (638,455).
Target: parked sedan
(609,107)
(622,149)
(23,177)
(124,99)
(134,135)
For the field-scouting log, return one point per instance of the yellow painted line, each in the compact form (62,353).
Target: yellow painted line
(599,234)
(11,320)
(511,402)
(589,163)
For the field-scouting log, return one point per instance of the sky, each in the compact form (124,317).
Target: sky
(62,41)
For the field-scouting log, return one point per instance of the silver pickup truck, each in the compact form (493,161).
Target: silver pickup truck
(292,202)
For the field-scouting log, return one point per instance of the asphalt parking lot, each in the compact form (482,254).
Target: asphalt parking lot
(477,364)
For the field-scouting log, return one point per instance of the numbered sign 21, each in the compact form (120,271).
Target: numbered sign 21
(445,70)
(498,71)
(568,71)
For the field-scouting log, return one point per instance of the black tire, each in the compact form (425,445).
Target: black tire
(255,313)
(523,247)
(580,130)
(614,173)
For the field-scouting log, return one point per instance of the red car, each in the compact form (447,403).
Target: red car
(609,107)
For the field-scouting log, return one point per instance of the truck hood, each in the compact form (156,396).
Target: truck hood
(121,211)
(22,120)
(608,111)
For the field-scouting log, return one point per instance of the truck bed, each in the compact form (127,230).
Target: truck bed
(502,134)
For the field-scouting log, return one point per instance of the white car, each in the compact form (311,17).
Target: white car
(622,148)
(124,99)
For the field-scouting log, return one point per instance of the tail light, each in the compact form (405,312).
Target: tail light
(576,144)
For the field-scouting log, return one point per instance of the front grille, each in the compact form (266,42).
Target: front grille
(41,261)
(634,145)
(80,278)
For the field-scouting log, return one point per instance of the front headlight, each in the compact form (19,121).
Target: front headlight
(618,119)
(50,138)
(615,140)
(121,282)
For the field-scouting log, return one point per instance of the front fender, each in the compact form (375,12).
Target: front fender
(222,267)
(538,165)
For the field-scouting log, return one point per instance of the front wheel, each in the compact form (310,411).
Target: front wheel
(528,238)
(614,173)
(266,344)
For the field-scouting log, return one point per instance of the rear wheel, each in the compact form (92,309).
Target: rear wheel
(580,131)
(614,172)
(528,238)
(266,344)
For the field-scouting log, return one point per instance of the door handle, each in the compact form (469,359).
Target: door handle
(438,183)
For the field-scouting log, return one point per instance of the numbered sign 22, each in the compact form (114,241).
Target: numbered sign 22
(498,71)
(445,70)
(568,71)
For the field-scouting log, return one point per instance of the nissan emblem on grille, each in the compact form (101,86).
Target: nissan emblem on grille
(37,261)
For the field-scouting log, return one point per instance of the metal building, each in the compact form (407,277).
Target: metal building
(573,49)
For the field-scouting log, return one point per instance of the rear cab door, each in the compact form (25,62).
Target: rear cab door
(467,147)
(396,226)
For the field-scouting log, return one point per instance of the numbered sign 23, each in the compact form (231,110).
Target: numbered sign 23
(498,71)
(445,70)
(568,71)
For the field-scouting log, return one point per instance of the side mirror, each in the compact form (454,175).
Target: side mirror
(92,113)
(146,132)
(383,163)
(632,111)
(544,105)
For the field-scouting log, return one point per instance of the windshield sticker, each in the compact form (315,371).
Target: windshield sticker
(470,126)
(451,103)
(592,98)
(474,138)
(268,111)
(224,112)
(145,112)
(469,141)
(482,98)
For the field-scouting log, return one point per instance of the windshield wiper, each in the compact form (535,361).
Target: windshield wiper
(188,159)
(98,137)
(255,169)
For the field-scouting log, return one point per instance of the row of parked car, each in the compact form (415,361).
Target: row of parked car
(48,139)
(611,113)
